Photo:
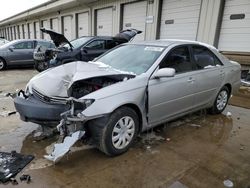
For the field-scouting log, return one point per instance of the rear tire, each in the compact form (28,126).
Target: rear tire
(221,101)
(118,134)
(2,64)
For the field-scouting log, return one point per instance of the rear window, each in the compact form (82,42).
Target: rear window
(204,58)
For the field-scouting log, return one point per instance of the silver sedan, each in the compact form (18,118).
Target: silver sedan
(130,89)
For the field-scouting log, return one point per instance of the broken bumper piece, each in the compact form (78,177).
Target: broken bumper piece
(61,149)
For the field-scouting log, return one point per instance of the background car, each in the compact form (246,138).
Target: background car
(130,89)
(3,41)
(83,49)
(20,52)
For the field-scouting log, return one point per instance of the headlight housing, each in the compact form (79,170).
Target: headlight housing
(81,104)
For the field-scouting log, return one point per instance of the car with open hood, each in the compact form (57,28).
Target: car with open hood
(20,52)
(130,89)
(85,48)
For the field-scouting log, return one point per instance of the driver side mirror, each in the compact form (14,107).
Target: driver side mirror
(11,48)
(164,72)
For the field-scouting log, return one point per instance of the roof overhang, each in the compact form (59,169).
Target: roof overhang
(45,8)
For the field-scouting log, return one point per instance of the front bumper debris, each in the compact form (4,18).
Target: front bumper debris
(61,149)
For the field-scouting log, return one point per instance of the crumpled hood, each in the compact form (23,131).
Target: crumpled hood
(55,82)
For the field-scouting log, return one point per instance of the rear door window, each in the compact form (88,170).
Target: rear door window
(24,45)
(97,44)
(204,58)
(179,59)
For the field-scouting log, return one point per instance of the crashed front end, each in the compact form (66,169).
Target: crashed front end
(59,97)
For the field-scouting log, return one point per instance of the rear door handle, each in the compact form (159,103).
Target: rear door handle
(191,80)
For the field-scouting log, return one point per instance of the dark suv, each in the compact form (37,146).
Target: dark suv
(81,49)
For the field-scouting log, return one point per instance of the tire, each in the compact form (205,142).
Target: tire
(110,137)
(221,101)
(41,66)
(2,64)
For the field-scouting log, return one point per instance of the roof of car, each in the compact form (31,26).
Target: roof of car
(167,42)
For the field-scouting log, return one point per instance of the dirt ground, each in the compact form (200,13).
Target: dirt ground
(196,151)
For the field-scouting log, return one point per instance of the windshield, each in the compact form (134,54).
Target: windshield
(132,58)
(8,44)
(78,42)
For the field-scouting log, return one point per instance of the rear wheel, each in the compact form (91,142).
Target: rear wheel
(119,133)
(2,64)
(221,101)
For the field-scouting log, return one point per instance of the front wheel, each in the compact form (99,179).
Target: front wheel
(221,101)
(2,64)
(119,133)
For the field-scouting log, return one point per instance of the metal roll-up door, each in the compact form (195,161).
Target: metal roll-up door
(134,16)
(11,33)
(54,25)
(104,22)
(83,24)
(180,19)
(31,31)
(235,27)
(45,24)
(26,32)
(21,31)
(37,30)
(67,27)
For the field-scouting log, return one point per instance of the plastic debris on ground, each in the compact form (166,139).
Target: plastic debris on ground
(229,114)
(7,113)
(11,164)
(61,149)
(228,183)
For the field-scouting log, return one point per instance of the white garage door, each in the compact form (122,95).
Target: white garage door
(45,24)
(235,28)
(11,33)
(31,30)
(179,19)
(37,30)
(21,31)
(134,16)
(104,22)
(67,27)
(83,24)
(26,31)
(54,24)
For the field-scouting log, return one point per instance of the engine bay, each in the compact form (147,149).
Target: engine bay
(85,87)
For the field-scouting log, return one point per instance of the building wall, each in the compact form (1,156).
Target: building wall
(211,12)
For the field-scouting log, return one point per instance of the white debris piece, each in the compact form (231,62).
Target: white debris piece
(228,183)
(61,149)
(229,114)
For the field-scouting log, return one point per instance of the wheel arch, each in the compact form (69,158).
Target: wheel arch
(229,86)
(137,110)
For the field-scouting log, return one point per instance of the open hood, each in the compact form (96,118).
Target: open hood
(57,38)
(56,82)
(128,34)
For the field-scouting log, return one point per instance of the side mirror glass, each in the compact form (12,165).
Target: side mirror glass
(164,72)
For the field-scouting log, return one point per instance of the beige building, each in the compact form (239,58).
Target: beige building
(222,23)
